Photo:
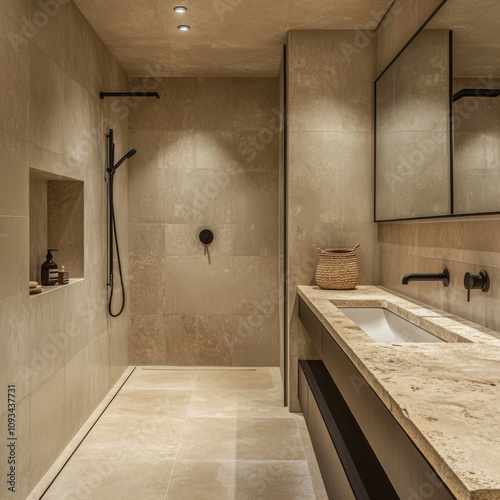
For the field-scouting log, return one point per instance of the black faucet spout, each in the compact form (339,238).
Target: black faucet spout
(444,277)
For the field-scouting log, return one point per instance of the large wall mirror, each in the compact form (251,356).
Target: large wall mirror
(438,118)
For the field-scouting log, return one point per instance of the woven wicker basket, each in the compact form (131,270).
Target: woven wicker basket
(337,268)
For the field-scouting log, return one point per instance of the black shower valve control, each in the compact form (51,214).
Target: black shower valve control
(479,281)
(206,237)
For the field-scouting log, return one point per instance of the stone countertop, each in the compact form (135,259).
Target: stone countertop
(446,396)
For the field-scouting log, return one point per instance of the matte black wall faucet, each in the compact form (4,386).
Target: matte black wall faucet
(444,277)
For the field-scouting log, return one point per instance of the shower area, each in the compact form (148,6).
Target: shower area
(207,159)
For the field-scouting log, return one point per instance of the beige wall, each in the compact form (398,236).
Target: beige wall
(59,348)
(330,163)
(207,158)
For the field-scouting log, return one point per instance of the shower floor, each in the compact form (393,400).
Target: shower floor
(174,434)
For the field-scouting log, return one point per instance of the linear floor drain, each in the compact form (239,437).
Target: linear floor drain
(181,368)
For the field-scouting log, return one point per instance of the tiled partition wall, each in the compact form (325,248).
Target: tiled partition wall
(59,349)
(207,157)
(330,162)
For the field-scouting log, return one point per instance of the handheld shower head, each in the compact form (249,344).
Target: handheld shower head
(125,157)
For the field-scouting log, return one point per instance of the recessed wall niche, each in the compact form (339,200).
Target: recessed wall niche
(56,221)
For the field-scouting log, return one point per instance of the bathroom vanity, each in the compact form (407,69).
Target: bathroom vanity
(418,418)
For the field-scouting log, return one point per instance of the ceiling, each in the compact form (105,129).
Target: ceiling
(227,37)
(476,40)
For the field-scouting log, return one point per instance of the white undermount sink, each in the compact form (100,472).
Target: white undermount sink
(384,326)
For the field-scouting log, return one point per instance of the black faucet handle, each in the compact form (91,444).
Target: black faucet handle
(479,281)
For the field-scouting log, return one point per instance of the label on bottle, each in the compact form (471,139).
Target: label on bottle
(53,274)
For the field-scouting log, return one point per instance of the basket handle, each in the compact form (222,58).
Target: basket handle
(316,247)
(355,246)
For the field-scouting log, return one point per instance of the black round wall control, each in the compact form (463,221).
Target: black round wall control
(206,237)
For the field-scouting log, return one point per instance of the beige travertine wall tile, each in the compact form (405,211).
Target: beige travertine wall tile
(198,196)
(76,326)
(196,286)
(147,342)
(315,159)
(48,424)
(254,239)
(98,368)
(255,197)
(15,344)
(146,194)
(14,174)
(14,67)
(118,346)
(255,103)
(315,92)
(257,149)
(14,265)
(22,451)
(254,285)
(255,340)
(47,330)
(77,387)
(152,153)
(47,109)
(199,340)
(78,56)
(147,268)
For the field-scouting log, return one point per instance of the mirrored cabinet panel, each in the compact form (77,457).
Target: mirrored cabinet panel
(438,118)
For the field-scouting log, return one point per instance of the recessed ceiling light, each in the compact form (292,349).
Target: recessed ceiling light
(184,27)
(180,9)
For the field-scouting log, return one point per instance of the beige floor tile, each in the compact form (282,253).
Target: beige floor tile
(202,480)
(237,403)
(240,480)
(150,378)
(273,480)
(112,479)
(168,403)
(135,436)
(257,378)
(241,439)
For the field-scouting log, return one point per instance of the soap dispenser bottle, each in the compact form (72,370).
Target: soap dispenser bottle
(50,271)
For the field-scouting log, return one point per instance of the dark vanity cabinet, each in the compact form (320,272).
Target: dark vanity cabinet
(362,451)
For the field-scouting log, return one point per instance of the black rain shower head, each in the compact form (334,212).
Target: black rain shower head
(125,157)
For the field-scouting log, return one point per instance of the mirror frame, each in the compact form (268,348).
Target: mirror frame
(451,132)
